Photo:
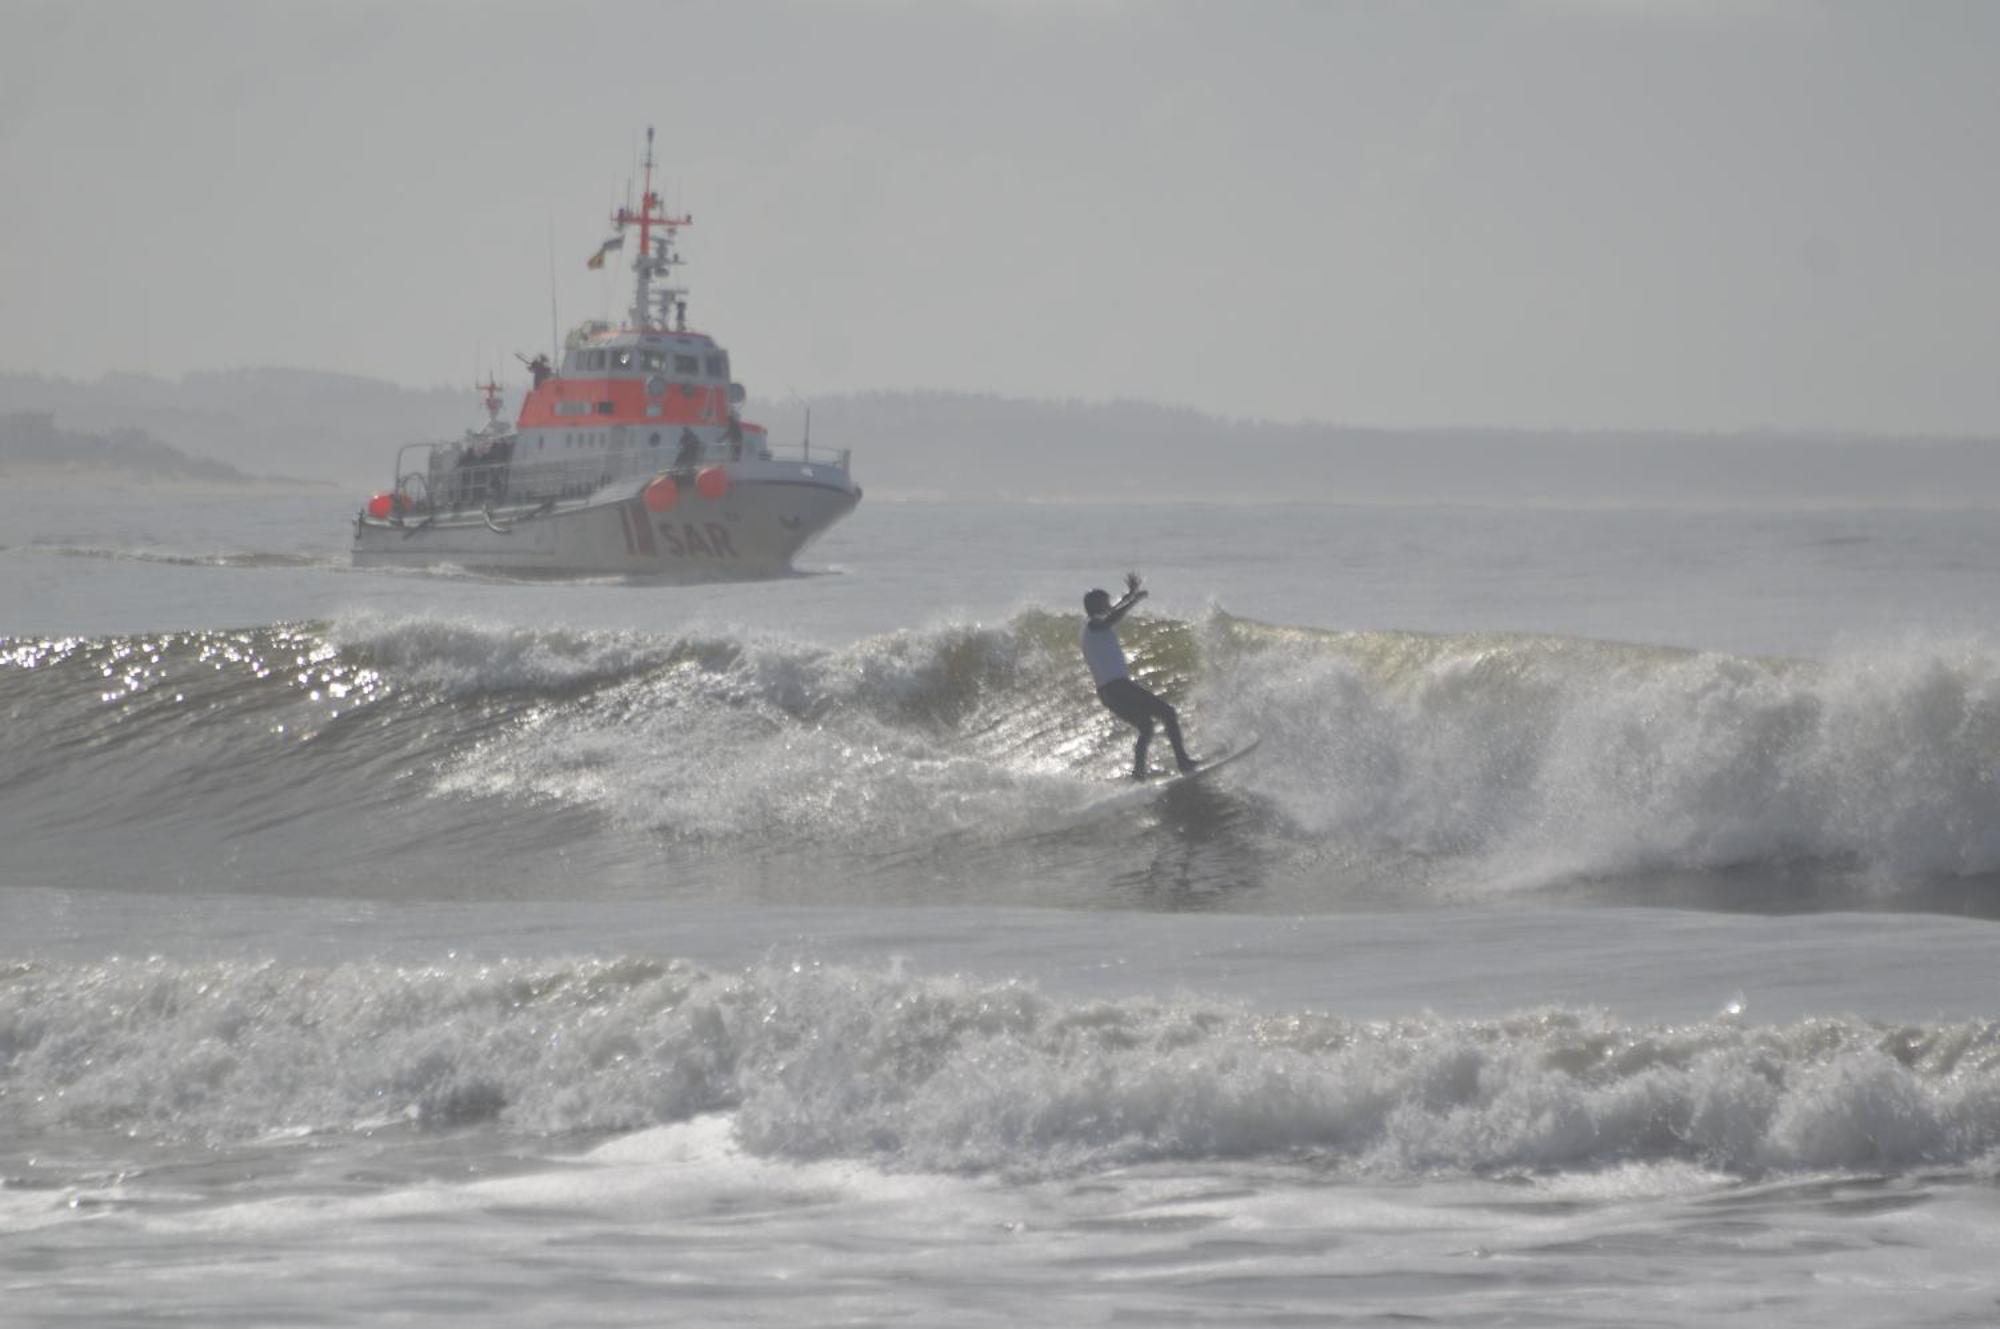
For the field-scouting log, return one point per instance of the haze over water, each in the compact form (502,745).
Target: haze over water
(1536,213)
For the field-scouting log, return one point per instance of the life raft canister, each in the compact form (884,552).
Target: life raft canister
(662,493)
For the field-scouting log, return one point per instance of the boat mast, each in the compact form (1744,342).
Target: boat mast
(491,389)
(656,256)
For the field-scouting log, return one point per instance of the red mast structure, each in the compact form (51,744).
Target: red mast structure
(656,254)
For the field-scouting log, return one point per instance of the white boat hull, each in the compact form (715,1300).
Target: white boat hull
(753,530)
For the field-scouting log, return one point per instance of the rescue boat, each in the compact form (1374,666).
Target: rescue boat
(628,456)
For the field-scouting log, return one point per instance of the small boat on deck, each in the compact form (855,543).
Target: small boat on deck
(627,458)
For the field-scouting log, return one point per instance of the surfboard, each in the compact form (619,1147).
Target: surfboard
(1125,793)
(1211,764)
(1126,786)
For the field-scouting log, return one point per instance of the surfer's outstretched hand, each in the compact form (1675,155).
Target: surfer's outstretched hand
(1132,586)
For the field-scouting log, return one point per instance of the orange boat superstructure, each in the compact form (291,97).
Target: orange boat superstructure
(627,458)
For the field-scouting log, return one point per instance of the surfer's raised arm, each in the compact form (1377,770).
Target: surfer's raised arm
(1108,617)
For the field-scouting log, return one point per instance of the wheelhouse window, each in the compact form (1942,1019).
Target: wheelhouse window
(624,358)
(687,364)
(718,366)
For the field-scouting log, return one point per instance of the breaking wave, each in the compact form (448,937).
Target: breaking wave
(816,1062)
(1493,759)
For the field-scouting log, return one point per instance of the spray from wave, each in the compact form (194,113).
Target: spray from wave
(1551,756)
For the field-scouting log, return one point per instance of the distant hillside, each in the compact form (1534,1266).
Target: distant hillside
(31,446)
(296,422)
(343,429)
(969,445)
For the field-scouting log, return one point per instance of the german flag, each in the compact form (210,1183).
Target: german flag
(597,260)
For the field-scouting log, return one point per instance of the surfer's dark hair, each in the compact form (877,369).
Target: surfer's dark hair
(1095,599)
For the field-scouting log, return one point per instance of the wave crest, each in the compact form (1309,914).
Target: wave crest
(1483,759)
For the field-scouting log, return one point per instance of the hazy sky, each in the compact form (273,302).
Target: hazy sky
(1686,213)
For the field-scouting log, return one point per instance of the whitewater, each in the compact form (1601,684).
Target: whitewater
(1603,932)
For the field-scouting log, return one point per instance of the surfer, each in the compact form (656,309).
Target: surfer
(1125,699)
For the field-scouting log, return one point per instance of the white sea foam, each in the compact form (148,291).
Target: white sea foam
(823,1062)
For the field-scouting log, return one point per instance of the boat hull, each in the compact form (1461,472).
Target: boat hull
(753,530)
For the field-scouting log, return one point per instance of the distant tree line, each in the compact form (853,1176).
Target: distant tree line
(31,442)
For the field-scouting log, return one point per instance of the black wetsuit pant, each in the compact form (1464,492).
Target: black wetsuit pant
(1140,708)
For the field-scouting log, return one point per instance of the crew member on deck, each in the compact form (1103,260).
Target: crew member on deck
(1127,700)
(689,451)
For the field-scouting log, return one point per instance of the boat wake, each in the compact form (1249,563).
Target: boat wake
(233,559)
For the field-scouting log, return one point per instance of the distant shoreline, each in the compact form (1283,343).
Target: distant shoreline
(35,450)
(106,476)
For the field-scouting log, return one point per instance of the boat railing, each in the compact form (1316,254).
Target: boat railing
(834,459)
(460,477)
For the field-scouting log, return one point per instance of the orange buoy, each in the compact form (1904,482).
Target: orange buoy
(712,483)
(662,494)
(379,506)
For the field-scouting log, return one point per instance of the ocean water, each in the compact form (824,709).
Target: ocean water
(1604,932)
